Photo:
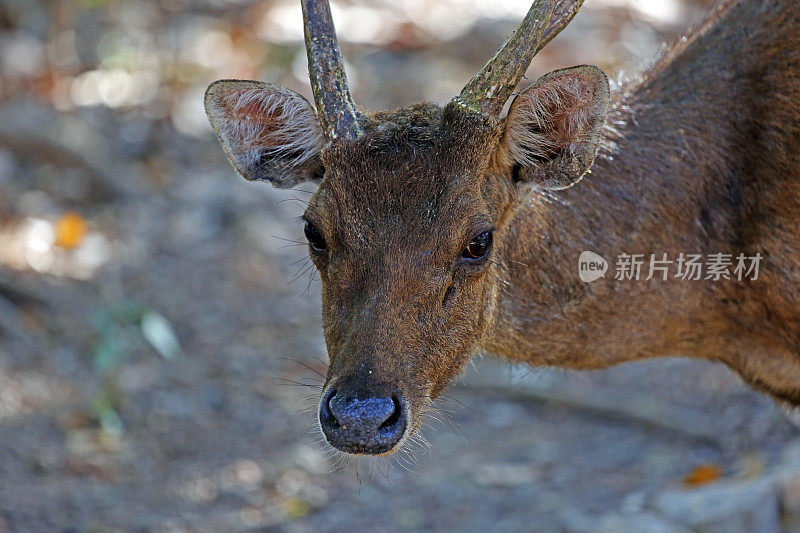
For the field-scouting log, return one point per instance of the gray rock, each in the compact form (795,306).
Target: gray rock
(624,523)
(725,507)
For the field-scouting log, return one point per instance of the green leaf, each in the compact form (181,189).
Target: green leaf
(160,334)
(106,353)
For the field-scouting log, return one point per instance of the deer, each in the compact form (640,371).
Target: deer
(444,231)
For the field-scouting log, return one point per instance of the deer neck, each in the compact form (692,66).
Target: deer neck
(666,182)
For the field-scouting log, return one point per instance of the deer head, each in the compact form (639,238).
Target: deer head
(410,221)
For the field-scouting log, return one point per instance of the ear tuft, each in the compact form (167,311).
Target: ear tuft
(554,126)
(268,132)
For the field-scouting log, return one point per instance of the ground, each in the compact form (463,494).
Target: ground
(159,328)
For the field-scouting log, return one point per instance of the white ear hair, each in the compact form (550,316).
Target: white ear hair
(553,129)
(292,133)
(531,135)
(268,132)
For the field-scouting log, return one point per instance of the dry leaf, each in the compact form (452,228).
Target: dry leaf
(70,230)
(297,507)
(703,475)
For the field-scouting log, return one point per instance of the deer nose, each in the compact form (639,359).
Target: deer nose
(362,423)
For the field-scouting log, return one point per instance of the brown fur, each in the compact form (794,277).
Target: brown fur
(707,160)
(701,155)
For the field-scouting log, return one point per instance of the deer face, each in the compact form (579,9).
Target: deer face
(402,231)
(408,226)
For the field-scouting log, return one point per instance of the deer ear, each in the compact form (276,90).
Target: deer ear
(554,127)
(268,132)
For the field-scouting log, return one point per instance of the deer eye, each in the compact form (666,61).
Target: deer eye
(315,239)
(479,247)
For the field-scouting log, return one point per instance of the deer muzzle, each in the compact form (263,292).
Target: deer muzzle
(363,420)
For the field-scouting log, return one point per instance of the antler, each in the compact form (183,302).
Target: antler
(337,112)
(488,91)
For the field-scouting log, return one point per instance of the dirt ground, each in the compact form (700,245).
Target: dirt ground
(160,342)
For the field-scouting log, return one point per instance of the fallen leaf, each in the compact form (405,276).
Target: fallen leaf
(71,228)
(297,507)
(703,475)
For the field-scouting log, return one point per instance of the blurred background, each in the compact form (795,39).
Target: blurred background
(159,327)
